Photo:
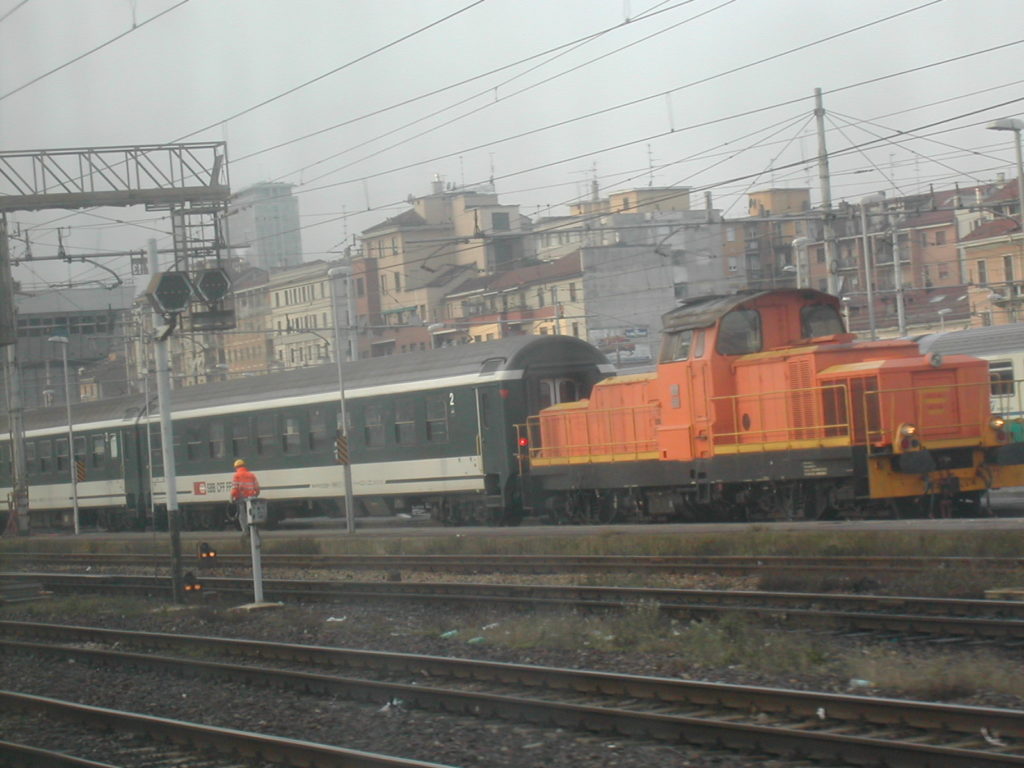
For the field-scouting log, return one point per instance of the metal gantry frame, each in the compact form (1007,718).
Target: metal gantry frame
(189,180)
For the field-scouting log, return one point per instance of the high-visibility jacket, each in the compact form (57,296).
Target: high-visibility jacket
(244,484)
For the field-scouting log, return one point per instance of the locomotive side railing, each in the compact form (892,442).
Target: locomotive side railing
(782,419)
(939,412)
(584,435)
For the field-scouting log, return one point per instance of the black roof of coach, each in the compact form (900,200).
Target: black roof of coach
(530,353)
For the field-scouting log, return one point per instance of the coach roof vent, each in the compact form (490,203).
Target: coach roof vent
(492,364)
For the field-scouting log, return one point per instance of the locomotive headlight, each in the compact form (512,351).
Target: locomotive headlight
(907,430)
(997,422)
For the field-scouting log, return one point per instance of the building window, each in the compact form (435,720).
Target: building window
(1008,269)
(572,291)
(540,297)
(398,282)
(499,221)
(982,273)
(940,238)
(360,288)
(576,330)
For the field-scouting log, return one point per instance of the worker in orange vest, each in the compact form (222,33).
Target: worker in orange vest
(244,485)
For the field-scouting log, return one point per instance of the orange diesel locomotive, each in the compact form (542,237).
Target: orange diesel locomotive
(763,407)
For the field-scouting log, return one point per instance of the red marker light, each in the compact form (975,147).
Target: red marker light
(523,442)
(503,393)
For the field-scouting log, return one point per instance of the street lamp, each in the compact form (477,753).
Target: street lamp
(63,341)
(800,247)
(942,317)
(333,275)
(869,268)
(1012,124)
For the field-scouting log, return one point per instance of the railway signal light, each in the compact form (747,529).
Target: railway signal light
(170,292)
(213,284)
(191,584)
(206,551)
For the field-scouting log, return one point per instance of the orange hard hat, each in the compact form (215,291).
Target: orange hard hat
(239,463)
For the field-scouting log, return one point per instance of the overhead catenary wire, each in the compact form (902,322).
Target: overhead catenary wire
(91,51)
(642,139)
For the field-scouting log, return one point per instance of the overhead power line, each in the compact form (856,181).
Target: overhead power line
(99,47)
(346,65)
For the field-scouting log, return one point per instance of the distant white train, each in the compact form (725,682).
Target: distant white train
(1003,347)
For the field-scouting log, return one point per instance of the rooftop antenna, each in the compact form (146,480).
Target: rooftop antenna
(650,167)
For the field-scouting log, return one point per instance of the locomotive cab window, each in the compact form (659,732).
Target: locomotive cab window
(739,333)
(820,320)
(676,346)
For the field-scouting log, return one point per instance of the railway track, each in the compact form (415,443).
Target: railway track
(854,730)
(653,564)
(991,620)
(174,742)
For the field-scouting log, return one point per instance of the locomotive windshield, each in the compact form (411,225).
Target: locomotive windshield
(820,320)
(740,333)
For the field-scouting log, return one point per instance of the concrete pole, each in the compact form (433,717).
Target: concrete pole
(71,433)
(163,388)
(333,275)
(897,278)
(826,193)
(869,269)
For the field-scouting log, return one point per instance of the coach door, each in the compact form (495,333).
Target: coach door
(494,441)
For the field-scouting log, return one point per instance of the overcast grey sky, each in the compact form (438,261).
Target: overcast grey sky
(714,94)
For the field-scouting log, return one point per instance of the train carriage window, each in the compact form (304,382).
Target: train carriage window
(676,346)
(194,444)
(739,333)
(156,452)
(265,433)
(80,451)
(405,422)
(44,449)
(239,438)
(112,444)
(554,391)
(217,443)
(318,429)
(290,437)
(98,454)
(374,429)
(61,453)
(437,419)
(5,454)
(1001,375)
(820,320)
(30,457)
